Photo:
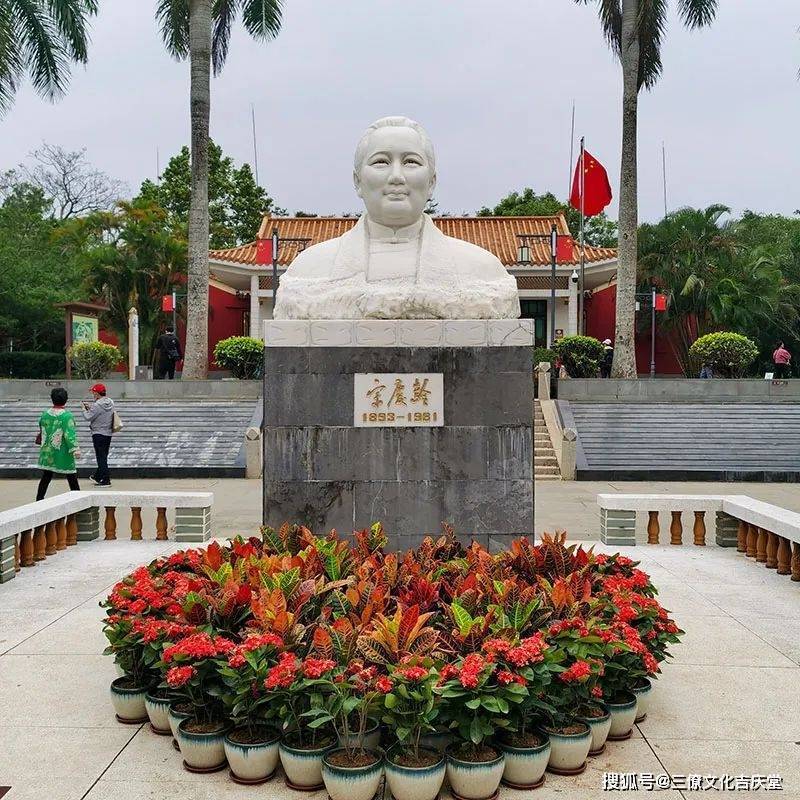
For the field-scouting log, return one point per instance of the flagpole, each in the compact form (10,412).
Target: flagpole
(571,150)
(581,324)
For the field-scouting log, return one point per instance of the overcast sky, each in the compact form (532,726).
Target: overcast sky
(492,82)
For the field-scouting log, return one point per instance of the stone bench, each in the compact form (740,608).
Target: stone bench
(763,531)
(34,531)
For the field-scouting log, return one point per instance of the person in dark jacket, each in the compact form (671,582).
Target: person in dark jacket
(169,353)
(607,359)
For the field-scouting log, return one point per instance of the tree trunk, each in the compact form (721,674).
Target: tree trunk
(195,363)
(624,365)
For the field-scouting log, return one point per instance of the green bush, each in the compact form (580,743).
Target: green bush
(580,355)
(542,354)
(92,360)
(31,364)
(242,355)
(729,354)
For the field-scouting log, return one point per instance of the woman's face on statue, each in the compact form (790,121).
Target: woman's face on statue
(395,179)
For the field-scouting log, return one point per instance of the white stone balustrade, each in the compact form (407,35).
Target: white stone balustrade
(34,531)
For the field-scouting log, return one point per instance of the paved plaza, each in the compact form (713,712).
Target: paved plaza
(726,705)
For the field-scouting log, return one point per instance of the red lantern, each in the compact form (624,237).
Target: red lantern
(166,303)
(661,302)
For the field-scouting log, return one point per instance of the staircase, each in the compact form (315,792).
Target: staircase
(545,464)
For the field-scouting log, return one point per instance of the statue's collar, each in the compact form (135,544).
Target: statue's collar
(383,233)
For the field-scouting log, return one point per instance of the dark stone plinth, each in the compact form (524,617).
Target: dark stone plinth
(474,473)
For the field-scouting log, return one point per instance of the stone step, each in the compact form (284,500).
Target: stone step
(545,460)
(539,477)
(546,469)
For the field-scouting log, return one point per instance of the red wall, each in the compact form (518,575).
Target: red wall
(601,316)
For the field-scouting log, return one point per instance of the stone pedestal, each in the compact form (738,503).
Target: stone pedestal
(474,472)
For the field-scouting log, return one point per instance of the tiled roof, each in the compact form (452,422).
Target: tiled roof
(498,235)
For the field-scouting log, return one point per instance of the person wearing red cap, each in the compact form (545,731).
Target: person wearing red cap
(100,415)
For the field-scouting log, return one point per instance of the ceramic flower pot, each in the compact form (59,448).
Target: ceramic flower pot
(351,783)
(202,751)
(175,716)
(524,766)
(128,701)
(439,740)
(643,694)
(473,780)
(303,766)
(569,749)
(158,712)
(372,737)
(253,762)
(623,714)
(415,783)
(600,727)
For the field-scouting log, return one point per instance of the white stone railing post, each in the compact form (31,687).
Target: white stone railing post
(543,374)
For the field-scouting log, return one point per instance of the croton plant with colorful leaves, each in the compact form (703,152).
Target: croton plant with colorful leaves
(314,634)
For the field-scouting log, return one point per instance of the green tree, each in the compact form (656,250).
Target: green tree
(38,40)
(634,30)
(130,257)
(34,274)
(201,31)
(599,230)
(236,203)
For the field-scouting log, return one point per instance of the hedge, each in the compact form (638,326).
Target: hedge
(31,364)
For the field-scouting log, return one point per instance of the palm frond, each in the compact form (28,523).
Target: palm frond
(652,25)
(262,18)
(71,20)
(173,20)
(224,15)
(697,13)
(42,51)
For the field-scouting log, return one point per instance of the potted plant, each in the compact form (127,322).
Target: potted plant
(251,747)
(529,663)
(129,690)
(192,673)
(302,744)
(413,771)
(344,696)
(477,706)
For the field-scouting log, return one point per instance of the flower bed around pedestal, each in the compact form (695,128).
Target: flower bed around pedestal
(345,661)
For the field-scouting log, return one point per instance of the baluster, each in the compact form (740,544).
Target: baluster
(72,530)
(16,553)
(752,539)
(676,529)
(784,556)
(653,528)
(700,528)
(26,549)
(61,534)
(795,561)
(772,551)
(161,524)
(761,546)
(741,537)
(136,524)
(39,544)
(111,524)
(51,537)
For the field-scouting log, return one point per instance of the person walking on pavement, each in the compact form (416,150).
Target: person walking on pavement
(101,423)
(783,362)
(607,360)
(169,353)
(58,444)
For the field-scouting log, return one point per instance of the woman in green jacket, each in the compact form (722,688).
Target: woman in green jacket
(59,444)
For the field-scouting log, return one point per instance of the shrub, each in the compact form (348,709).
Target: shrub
(94,359)
(31,364)
(580,355)
(242,355)
(730,354)
(543,354)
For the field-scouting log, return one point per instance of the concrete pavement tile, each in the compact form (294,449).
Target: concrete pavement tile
(682,600)
(217,786)
(46,789)
(781,601)
(724,641)
(734,758)
(782,634)
(80,632)
(57,691)
(16,627)
(746,704)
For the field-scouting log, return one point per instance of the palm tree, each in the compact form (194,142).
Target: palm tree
(201,30)
(635,30)
(38,40)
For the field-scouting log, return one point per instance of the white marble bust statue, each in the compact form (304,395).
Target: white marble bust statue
(395,263)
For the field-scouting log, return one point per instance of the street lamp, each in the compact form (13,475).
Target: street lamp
(275,242)
(524,257)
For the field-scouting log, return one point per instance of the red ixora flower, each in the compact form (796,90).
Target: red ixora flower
(413,674)
(577,673)
(316,667)
(178,676)
(471,669)
(384,684)
(282,675)
(504,677)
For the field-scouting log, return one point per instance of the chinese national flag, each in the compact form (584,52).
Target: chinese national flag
(564,249)
(597,189)
(264,251)
(661,302)
(166,303)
